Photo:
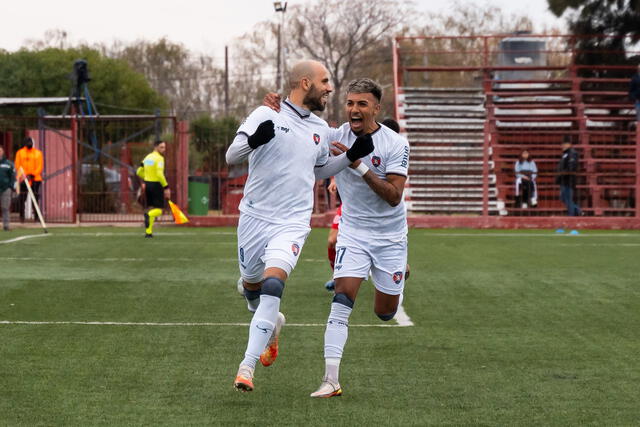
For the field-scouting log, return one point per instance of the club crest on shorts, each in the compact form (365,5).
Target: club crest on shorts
(397,277)
(295,249)
(316,138)
(375,161)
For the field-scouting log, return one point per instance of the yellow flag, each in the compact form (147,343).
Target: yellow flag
(178,216)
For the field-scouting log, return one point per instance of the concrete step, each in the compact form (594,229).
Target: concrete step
(416,179)
(406,89)
(447,193)
(451,114)
(445,151)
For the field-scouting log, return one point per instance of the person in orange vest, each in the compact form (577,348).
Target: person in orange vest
(30,160)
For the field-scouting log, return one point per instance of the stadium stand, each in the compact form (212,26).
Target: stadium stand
(525,92)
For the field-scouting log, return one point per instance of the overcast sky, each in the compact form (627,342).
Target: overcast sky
(203,26)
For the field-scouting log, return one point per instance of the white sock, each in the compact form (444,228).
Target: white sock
(261,328)
(332,369)
(335,337)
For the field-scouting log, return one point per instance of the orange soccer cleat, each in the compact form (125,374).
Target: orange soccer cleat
(270,353)
(244,379)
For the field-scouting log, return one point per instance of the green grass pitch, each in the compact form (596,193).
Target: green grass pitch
(511,328)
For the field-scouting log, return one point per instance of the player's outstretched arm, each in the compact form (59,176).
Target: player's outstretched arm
(243,144)
(332,167)
(362,146)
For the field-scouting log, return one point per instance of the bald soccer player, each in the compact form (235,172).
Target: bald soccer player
(287,152)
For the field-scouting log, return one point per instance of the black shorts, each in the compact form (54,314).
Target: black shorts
(154,194)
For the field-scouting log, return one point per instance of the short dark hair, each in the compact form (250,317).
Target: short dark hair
(365,85)
(158,142)
(391,124)
(26,140)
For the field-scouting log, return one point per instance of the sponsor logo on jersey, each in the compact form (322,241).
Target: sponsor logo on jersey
(316,138)
(375,161)
(295,249)
(397,277)
(283,129)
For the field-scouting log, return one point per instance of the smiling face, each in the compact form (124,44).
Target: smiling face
(362,109)
(318,88)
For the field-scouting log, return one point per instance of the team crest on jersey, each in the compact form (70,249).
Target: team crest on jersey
(397,277)
(375,161)
(316,138)
(295,249)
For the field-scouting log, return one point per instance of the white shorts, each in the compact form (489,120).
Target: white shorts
(386,259)
(263,244)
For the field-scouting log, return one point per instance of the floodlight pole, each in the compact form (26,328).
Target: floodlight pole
(280,6)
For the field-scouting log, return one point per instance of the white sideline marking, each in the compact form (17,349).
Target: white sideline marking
(402,317)
(130,233)
(301,325)
(549,234)
(17,239)
(132,259)
(599,244)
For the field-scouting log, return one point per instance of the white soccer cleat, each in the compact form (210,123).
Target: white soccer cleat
(240,286)
(244,379)
(327,389)
(270,352)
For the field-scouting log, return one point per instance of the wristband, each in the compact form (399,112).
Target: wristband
(362,169)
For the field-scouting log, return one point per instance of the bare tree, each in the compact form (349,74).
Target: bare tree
(346,36)
(253,67)
(54,37)
(192,83)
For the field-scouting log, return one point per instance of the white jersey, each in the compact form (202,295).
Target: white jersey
(362,209)
(281,173)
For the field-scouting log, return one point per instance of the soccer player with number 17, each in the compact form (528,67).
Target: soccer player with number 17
(372,236)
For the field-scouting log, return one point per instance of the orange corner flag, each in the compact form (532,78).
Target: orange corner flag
(178,216)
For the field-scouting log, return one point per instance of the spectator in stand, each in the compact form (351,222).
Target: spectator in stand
(526,173)
(566,177)
(7,185)
(30,160)
(634,91)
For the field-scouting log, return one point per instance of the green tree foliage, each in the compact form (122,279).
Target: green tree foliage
(617,20)
(46,73)
(210,138)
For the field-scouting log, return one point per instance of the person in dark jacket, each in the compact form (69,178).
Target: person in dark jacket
(566,177)
(7,185)
(634,91)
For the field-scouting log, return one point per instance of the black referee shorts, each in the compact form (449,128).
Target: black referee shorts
(154,194)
